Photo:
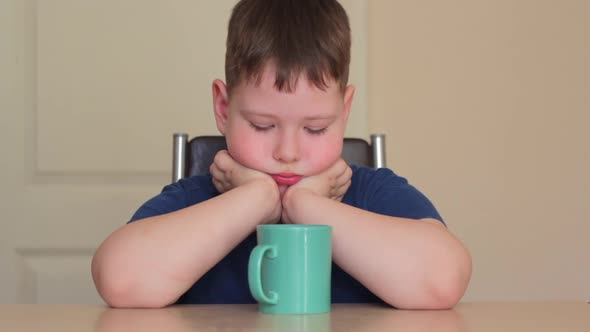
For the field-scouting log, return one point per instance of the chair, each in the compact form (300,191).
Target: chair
(194,156)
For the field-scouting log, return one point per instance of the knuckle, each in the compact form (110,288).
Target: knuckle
(221,157)
(217,158)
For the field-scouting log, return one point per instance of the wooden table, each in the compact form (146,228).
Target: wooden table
(497,317)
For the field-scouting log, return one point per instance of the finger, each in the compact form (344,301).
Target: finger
(222,160)
(342,178)
(214,170)
(218,185)
(343,168)
(346,186)
(217,173)
(341,190)
(338,171)
(348,173)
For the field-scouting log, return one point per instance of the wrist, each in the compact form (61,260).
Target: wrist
(269,198)
(292,202)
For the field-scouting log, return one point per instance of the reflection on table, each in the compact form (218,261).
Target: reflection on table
(537,317)
(342,318)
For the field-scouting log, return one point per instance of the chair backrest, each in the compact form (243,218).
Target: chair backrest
(194,156)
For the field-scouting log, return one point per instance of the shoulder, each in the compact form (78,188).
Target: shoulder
(383,191)
(366,182)
(376,176)
(192,190)
(194,185)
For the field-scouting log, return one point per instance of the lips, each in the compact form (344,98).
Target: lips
(287,179)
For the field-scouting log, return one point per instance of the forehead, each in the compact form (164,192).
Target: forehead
(262,94)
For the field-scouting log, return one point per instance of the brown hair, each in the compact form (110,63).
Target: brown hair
(298,36)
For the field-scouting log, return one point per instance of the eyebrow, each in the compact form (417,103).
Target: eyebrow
(307,118)
(250,112)
(311,118)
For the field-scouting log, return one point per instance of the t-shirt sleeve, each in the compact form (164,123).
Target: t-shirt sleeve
(172,198)
(389,194)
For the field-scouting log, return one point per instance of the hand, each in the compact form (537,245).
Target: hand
(228,174)
(331,183)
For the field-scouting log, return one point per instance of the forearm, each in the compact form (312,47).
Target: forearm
(152,262)
(410,264)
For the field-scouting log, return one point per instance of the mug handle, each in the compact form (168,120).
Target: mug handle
(254,277)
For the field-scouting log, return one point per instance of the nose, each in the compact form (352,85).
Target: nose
(287,148)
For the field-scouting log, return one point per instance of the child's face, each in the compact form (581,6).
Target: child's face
(279,132)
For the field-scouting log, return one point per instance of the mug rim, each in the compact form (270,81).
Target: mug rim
(293,226)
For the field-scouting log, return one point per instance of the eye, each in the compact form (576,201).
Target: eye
(316,131)
(261,128)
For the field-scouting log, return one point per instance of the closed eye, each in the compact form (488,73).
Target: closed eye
(316,131)
(261,128)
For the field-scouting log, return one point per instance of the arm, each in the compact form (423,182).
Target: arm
(410,264)
(152,262)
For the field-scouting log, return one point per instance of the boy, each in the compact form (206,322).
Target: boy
(283,111)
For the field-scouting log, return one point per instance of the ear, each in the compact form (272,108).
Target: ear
(220,105)
(348,96)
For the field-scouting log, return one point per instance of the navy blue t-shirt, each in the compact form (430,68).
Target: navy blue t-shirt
(376,190)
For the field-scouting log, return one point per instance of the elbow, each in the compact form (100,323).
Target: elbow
(436,296)
(447,289)
(118,289)
(432,299)
(442,291)
(116,298)
(449,279)
(443,296)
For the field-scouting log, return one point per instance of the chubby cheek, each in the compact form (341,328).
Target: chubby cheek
(247,149)
(322,156)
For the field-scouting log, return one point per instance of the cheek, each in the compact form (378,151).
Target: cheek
(323,155)
(246,149)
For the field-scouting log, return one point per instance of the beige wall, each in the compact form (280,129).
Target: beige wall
(485,104)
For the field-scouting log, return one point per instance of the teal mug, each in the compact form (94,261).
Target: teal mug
(289,271)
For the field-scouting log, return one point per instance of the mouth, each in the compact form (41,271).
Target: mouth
(287,179)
